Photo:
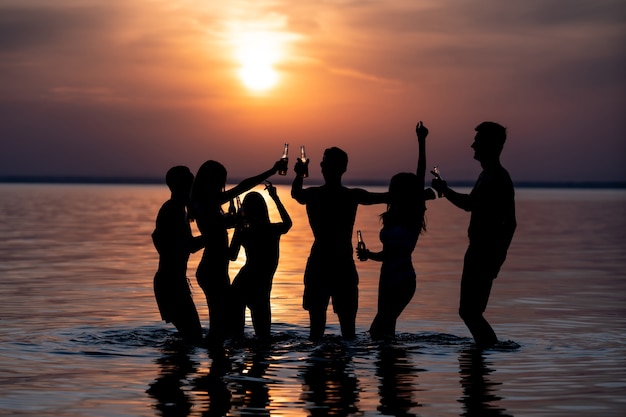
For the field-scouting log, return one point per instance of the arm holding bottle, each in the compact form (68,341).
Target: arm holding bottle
(364,254)
(251,182)
(462,201)
(297,193)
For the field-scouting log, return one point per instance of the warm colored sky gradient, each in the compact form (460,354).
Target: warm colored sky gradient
(130,88)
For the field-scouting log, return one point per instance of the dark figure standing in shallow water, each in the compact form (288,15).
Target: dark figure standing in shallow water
(402,224)
(330,271)
(208,194)
(173,240)
(260,238)
(492,225)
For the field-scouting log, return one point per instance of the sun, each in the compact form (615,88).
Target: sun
(258,75)
(258,53)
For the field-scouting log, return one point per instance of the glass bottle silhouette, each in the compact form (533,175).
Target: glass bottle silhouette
(285,159)
(231,217)
(304,160)
(437,174)
(360,244)
(239,217)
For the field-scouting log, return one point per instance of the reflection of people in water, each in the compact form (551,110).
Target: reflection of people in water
(207,197)
(397,378)
(402,224)
(167,389)
(251,395)
(260,238)
(330,387)
(479,396)
(173,240)
(217,397)
(330,271)
(492,224)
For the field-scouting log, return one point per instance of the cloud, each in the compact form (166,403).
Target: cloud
(26,28)
(125,80)
(136,50)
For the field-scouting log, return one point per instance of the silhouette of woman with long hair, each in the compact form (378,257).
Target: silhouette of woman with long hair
(260,239)
(208,194)
(403,222)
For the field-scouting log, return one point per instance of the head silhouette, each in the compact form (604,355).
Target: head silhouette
(489,141)
(209,182)
(334,163)
(406,201)
(400,188)
(179,180)
(255,209)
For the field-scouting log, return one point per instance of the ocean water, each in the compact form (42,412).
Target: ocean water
(80,333)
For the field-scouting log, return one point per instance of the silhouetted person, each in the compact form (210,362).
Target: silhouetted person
(173,240)
(208,194)
(260,238)
(492,225)
(330,270)
(402,224)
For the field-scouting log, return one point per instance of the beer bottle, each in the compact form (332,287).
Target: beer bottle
(304,160)
(360,245)
(285,159)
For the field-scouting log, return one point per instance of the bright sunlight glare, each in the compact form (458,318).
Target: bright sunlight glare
(257,53)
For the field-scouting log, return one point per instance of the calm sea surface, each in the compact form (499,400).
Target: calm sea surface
(80,333)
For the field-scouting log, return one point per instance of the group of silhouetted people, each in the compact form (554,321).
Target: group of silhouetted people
(330,273)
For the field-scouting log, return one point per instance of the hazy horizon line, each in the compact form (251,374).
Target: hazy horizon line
(66,179)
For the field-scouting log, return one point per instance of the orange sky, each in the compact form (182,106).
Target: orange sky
(120,88)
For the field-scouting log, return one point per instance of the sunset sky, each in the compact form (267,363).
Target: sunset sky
(130,88)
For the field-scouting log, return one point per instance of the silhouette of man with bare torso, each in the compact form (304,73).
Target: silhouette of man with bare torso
(330,271)
(173,240)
